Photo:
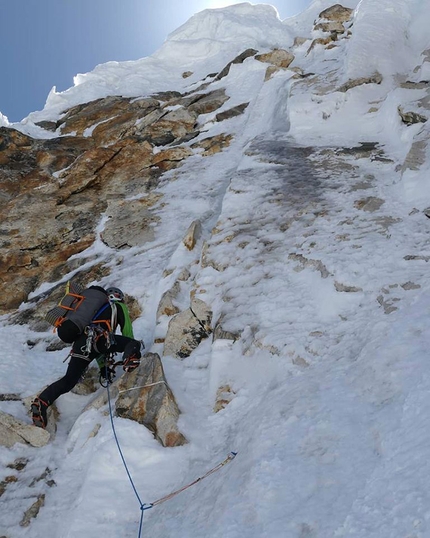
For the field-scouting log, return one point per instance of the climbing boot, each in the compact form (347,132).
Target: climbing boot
(130,363)
(39,413)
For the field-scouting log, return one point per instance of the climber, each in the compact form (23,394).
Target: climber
(93,340)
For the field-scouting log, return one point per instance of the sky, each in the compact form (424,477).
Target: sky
(47,42)
(316,253)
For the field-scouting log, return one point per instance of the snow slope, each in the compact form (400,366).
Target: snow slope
(322,254)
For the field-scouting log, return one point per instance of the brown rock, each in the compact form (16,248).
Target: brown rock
(370,204)
(223,397)
(231,112)
(54,191)
(299,41)
(85,116)
(332,26)
(278,57)
(171,158)
(376,78)
(13,430)
(193,234)
(209,102)
(409,118)
(238,60)
(144,396)
(322,41)
(33,511)
(336,13)
(187,329)
(213,144)
(129,225)
(167,306)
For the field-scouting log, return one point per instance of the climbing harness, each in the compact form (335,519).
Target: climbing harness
(147,506)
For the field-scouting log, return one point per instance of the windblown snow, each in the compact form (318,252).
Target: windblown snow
(320,264)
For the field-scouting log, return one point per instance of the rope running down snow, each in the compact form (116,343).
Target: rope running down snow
(144,506)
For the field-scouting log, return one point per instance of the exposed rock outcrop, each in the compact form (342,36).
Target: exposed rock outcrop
(278,57)
(187,329)
(145,397)
(410,117)
(376,78)
(167,306)
(33,511)
(333,19)
(238,60)
(13,430)
(109,149)
(193,234)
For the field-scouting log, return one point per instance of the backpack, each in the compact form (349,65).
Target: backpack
(76,310)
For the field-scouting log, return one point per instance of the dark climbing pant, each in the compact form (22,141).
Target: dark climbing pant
(78,365)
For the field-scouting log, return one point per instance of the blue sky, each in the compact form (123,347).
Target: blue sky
(46,42)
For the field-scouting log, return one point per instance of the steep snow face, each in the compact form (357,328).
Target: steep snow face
(382,26)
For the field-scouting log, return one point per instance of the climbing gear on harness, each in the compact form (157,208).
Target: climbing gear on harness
(94,333)
(131,363)
(39,413)
(90,332)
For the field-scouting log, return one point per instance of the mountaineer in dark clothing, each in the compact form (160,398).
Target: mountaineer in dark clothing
(91,318)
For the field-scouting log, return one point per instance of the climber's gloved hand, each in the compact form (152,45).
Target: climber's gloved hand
(130,363)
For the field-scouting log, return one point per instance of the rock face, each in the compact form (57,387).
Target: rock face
(193,234)
(409,118)
(376,78)
(129,224)
(145,397)
(187,329)
(14,431)
(331,21)
(167,306)
(278,57)
(336,13)
(107,155)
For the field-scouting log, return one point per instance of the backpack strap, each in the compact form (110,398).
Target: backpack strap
(107,322)
(127,329)
(100,311)
(114,317)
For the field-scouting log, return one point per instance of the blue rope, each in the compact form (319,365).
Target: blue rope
(143,506)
